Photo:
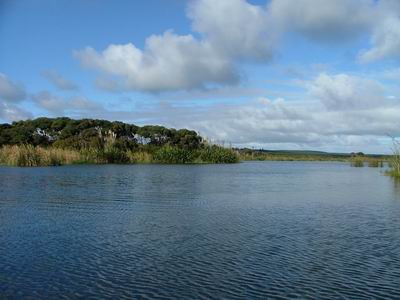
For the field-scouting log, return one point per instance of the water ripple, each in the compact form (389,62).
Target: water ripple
(247,231)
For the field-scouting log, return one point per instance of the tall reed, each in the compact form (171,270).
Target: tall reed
(139,156)
(394,161)
(30,156)
(218,155)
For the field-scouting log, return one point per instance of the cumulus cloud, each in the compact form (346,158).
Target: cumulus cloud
(235,28)
(385,41)
(345,92)
(278,123)
(232,31)
(59,81)
(229,31)
(11,91)
(328,119)
(385,36)
(169,62)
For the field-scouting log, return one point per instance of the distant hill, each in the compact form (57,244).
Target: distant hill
(302,154)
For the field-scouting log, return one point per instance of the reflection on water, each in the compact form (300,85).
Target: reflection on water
(244,231)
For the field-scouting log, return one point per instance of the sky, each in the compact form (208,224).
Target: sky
(278,74)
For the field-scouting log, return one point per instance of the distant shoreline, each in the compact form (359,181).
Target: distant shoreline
(38,156)
(65,141)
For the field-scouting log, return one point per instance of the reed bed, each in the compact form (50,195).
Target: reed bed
(361,161)
(375,163)
(216,155)
(357,161)
(394,161)
(140,156)
(31,156)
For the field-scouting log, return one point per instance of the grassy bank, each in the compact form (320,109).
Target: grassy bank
(358,159)
(33,156)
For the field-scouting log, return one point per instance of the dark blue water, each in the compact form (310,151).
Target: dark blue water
(243,231)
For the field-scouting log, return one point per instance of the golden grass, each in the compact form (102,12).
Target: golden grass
(357,161)
(139,157)
(375,163)
(30,156)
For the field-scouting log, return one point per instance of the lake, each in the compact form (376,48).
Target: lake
(252,230)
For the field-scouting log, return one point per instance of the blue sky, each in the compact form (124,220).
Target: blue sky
(274,74)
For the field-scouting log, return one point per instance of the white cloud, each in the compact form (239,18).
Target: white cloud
(168,62)
(234,28)
(385,41)
(345,92)
(329,119)
(308,126)
(233,31)
(60,82)
(11,91)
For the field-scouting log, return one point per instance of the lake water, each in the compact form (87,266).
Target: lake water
(243,231)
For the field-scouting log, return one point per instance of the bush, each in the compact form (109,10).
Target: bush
(173,155)
(218,155)
(114,155)
(357,161)
(139,157)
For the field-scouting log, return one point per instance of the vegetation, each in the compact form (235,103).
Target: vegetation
(357,161)
(215,154)
(60,141)
(31,156)
(361,160)
(280,155)
(394,161)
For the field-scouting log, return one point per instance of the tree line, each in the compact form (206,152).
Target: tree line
(59,141)
(86,133)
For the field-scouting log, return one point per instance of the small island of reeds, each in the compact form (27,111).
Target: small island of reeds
(62,141)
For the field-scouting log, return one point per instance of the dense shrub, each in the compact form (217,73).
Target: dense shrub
(217,154)
(174,155)
(114,155)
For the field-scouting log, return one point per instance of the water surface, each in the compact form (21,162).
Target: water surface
(244,231)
